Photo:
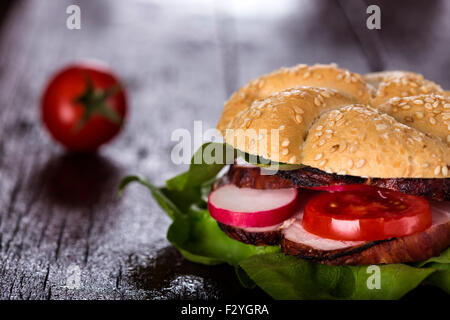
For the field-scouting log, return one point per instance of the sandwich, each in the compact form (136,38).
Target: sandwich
(322,172)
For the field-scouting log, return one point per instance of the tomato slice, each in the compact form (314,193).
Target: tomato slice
(366,215)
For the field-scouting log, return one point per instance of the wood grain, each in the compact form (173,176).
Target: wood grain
(179,63)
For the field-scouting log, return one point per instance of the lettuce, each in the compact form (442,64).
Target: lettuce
(199,239)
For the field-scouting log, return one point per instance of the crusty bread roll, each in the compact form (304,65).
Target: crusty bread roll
(290,114)
(329,125)
(427,113)
(327,76)
(390,84)
(360,141)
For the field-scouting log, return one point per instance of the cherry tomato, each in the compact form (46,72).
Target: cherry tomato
(366,215)
(83,106)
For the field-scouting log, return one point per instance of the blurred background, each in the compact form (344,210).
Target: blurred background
(179,61)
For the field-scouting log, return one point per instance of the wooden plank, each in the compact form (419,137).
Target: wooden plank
(179,62)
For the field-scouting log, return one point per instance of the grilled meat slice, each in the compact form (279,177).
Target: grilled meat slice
(436,189)
(312,177)
(250,177)
(263,237)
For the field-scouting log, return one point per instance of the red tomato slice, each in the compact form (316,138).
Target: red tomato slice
(366,215)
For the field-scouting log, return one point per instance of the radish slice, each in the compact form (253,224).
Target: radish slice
(246,207)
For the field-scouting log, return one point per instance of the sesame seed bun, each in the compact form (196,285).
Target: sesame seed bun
(427,113)
(390,84)
(289,114)
(327,76)
(335,130)
(368,143)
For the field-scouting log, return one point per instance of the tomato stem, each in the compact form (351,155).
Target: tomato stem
(94,101)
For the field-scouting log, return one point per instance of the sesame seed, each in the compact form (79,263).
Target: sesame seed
(406,107)
(339,76)
(339,116)
(428,106)
(317,101)
(292,159)
(285,151)
(419,115)
(418,101)
(320,127)
(282,127)
(318,156)
(381,126)
(444,170)
(318,134)
(299,110)
(321,142)
(447,106)
(360,163)
(298,118)
(322,163)
(432,120)
(350,163)
(329,131)
(352,148)
(325,94)
(437,170)
(285,143)
(342,173)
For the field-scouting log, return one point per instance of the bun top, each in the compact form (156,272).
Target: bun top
(329,124)
(319,75)
(390,84)
(427,113)
(365,142)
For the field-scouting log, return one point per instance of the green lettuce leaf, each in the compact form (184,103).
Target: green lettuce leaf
(287,277)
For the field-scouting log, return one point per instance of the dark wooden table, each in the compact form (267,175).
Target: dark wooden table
(180,60)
